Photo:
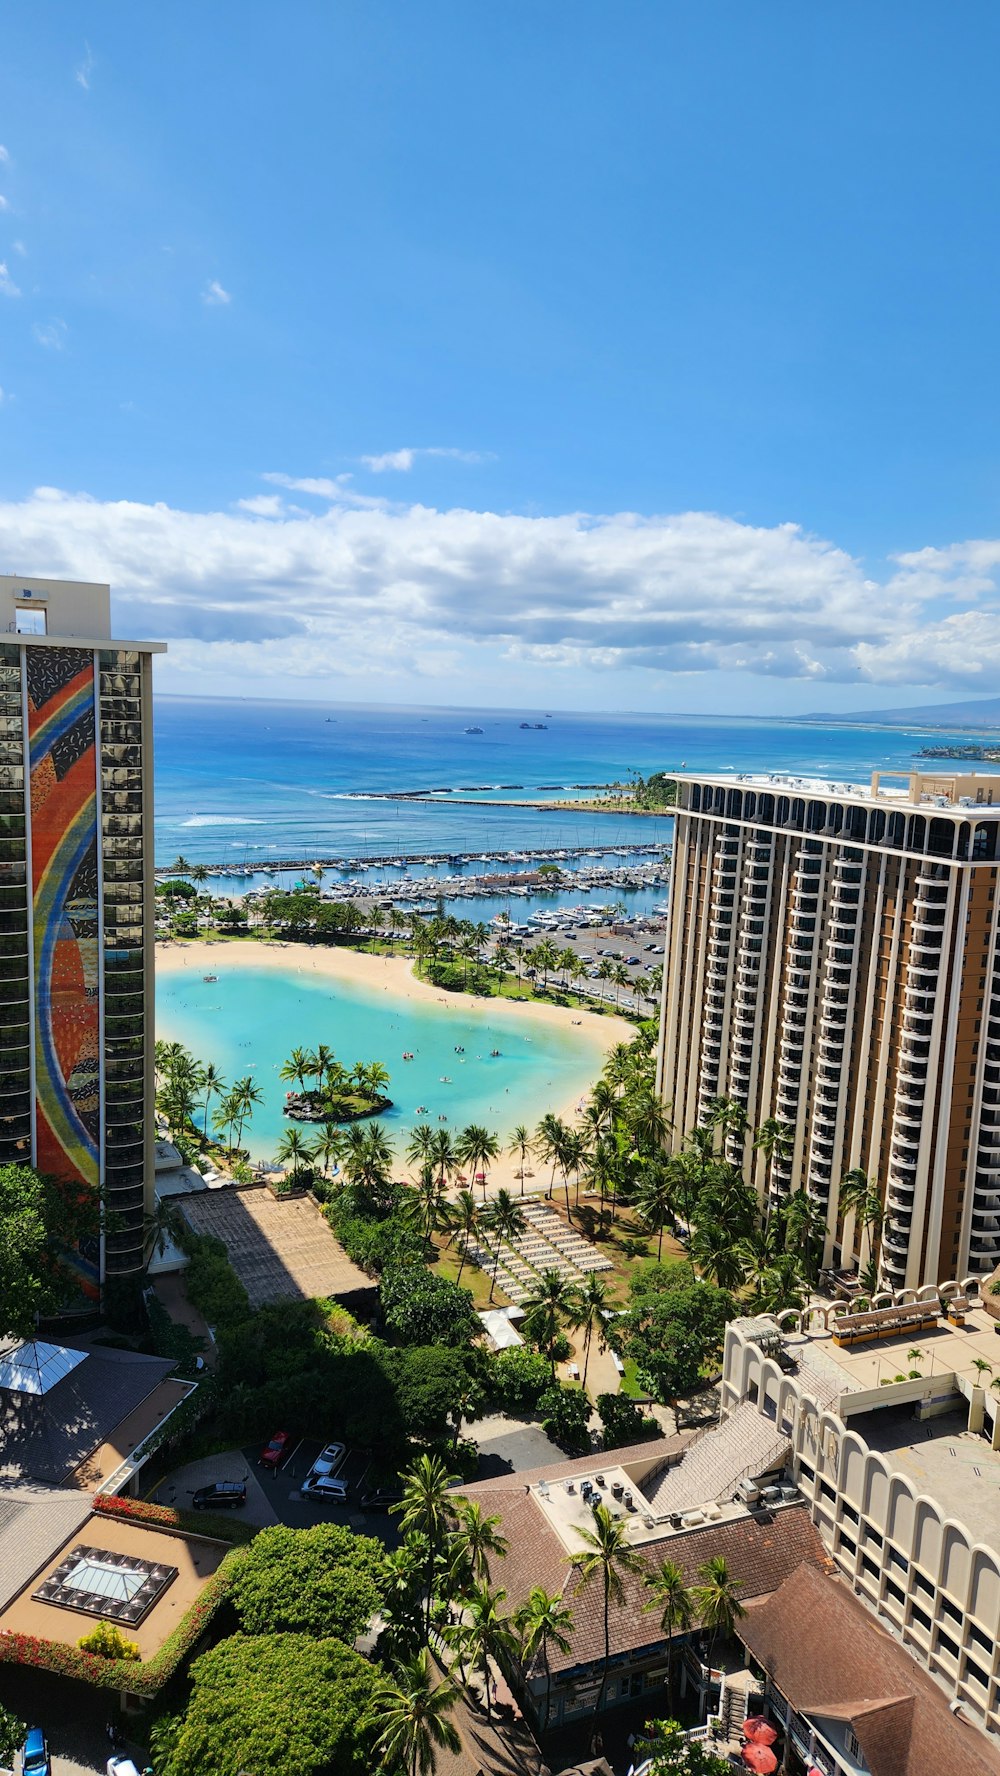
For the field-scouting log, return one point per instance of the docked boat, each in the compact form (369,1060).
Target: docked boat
(473,730)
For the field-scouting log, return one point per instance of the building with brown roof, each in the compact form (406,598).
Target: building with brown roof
(540,1515)
(847,1695)
(281,1249)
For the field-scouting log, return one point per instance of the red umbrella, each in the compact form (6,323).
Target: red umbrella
(760,1730)
(759,1758)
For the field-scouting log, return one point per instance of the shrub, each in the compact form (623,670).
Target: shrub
(109,1642)
(421,1308)
(321,1581)
(622,1421)
(221,1528)
(517,1379)
(565,1415)
(213,1286)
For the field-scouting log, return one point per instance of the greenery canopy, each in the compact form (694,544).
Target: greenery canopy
(322,1581)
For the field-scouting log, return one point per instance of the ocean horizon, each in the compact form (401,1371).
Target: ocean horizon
(250,780)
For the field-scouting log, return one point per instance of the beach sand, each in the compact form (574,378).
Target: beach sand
(395,975)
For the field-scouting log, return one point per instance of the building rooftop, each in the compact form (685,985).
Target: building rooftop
(50,613)
(191,1559)
(830,1658)
(47,1436)
(944,1459)
(949,791)
(945,1350)
(33,1520)
(761,1549)
(281,1249)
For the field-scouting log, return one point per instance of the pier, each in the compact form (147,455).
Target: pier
(430,859)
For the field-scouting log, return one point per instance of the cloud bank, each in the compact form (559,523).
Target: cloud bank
(269,590)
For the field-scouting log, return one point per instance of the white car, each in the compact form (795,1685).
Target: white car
(328,1460)
(324,1486)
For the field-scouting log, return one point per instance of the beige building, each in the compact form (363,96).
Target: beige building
(76,905)
(832,961)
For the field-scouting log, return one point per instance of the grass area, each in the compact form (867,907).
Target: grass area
(630,1384)
(483,984)
(476,1281)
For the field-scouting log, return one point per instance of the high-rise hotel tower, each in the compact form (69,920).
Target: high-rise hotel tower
(832,961)
(76,905)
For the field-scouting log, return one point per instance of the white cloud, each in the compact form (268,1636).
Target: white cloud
(403,460)
(20,248)
(4,156)
(7,284)
(4,205)
(52,334)
(214,296)
(82,73)
(412,590)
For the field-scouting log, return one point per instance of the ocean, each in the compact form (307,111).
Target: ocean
(249,781)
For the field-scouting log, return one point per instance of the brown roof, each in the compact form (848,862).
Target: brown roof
(759,1551)
(280,1248)
(830,1657)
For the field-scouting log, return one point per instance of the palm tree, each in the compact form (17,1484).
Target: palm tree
(609,1556)
(429,1191)
(605,972)
(712,1250)
(670,1595)
(520,1143)
(859,1196)
(420,1145)
(212,1082)
(506,1221)
(442,1154)
(546,957)
(325,1060)
(620,978)
(648,1121)
(982,1367)
(476,1539)
(414,1714)
(298,1067)
(549,1137)
(775,1140)
(464,1219)
(294,1146)
(553,1303)
(475,1147)
(716,1599)
(161,1226)
(327,1146)
(225,1116)
(488,1633)
(541,1620)
(248,1093)
(805,1231)
(654,1204)
(180,866)
(594,1306)
(426,1509)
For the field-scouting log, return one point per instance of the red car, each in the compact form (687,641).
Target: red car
(274,1454)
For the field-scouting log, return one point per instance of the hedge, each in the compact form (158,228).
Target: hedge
(142,1680)
(203,1523)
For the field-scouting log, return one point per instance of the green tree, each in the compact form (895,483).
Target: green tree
(716,1599)
(488,1633)
(672,1329)
(422,1308)
(427,1509)
(671,1596)
(859,1196)
(594,1305)
(212,1084)
(40,1221)
(544,1620)
(654,1203)
(609,1557)
(475,1540)
(553,1304)
(413,1709)
(506,1221)
(565,1415)
(476,1148)
(284,1703)
(464,1218)
(294,1147)
(671,1753)
(520,1143)
(320,1581)
(12,1735)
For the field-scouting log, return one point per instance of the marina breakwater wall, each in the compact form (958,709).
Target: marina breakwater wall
(388,859)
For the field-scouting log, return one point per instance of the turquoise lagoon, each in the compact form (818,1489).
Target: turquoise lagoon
(250,1019)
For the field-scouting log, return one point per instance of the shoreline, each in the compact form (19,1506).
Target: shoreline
(395,975)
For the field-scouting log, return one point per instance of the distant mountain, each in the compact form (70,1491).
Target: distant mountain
(980,712)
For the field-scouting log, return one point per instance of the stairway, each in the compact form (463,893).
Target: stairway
(746,1442)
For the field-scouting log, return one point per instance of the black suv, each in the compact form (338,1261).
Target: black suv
(222,1495)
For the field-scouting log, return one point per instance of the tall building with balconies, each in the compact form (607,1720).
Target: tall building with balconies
(76,906)
(832,961)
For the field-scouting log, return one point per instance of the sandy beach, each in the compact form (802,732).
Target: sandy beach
(395,975)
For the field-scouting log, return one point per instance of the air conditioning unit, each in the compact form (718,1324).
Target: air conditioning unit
(748,1493)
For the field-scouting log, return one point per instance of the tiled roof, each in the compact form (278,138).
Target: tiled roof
(760,1552)
(830,1657)
(34,1522)
(45,1437)
(281,1250)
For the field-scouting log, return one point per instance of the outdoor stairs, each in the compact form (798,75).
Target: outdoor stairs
(745,1443)
(734,1703)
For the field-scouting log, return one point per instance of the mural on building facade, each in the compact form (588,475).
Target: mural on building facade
(64,884)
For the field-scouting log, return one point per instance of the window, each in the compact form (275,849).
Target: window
(29,621)
(853,1748)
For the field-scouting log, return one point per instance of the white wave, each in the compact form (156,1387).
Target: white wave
(222,820)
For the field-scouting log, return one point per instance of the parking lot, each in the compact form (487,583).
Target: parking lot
(282,1489)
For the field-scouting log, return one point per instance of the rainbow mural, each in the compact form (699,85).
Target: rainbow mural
(62,756)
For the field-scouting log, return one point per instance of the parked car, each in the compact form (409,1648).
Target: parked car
(273,1454)
(381,1499)
(652,946)
(325,1486)
(121,1766)
(329,1459)
(35,1760)
(221,1495)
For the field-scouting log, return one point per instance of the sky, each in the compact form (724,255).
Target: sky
(626,357)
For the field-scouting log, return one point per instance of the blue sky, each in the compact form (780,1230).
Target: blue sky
(635,356)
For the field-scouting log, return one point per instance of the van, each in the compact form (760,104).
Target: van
(325,1487)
